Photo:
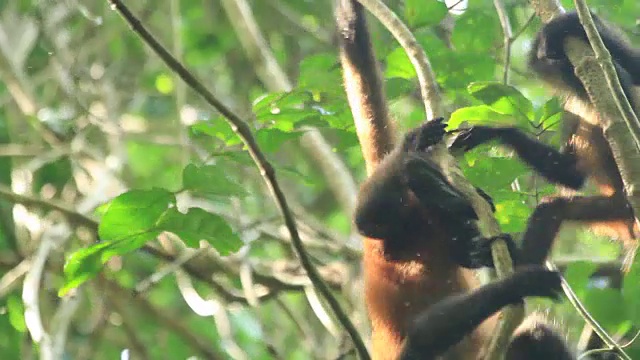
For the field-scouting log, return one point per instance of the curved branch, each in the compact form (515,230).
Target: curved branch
(266,169)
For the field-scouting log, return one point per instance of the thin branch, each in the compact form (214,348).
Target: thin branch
(124,300)
(10,279)
(577,304)
(426,78)
(61,321)
(266,170)
(507,37)
(277,281)
(27,200)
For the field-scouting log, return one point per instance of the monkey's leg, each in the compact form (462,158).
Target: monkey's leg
(558,167)
(547,218)
(448,321)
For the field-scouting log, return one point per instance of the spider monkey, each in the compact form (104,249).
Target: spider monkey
(448,321)
(407,196)
(412,250)
(420,225)
(586,153)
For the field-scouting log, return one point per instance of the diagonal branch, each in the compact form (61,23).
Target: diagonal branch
(266,170)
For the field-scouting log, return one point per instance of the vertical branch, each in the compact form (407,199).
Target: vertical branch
(426,79)
(507,39)
(624,140)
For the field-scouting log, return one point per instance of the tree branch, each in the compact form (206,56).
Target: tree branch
(266,170)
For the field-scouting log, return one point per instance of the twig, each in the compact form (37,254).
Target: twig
(61,321)
(266,170)
(31,291)
(170,268)
(507,37)
(10,279)
(426,79)
(123,296)
(577,304)
(203,307)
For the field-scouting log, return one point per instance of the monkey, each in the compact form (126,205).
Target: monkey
(408,209)
(407,196)
(404,277)
(448,321)
(586,154)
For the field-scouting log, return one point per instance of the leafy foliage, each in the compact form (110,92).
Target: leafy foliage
(104,131)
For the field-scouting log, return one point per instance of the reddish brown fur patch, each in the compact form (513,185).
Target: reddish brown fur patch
(397,291)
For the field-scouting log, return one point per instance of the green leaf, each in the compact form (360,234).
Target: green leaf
(217,129)
(83,265)
(281,100)
(424,13)
(478,115)
(197,225)
(133,213)
(284,110)
(599,303)
(578,275)
(503,99)
(271,140)
(477,32)
(492,171)
(399,65)
(512,211)
(210,179)
(321,71)
(15,309)
(551,114)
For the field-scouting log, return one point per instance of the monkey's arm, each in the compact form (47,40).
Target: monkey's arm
(555,166)
(548,216)
(448,321)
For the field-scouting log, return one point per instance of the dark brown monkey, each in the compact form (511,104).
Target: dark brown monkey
(586,154)
(405,271)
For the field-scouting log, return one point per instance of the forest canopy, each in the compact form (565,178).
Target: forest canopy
(135,223)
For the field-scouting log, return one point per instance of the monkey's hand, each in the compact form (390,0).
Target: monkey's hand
(478,252)
(534,281)
(425,135)
(474,136)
